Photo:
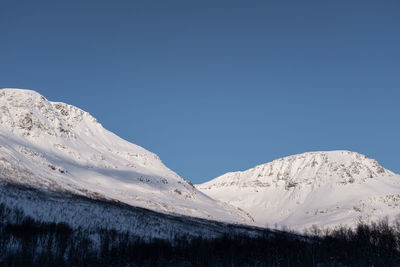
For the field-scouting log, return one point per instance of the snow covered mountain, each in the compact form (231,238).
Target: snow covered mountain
(61,148)
(321,188)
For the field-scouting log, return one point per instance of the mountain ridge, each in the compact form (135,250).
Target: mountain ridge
(317,157)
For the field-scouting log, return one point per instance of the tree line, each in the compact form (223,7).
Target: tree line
(25,241)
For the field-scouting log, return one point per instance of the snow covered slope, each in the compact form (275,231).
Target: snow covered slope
(62,148)
(322,188)
(92,215)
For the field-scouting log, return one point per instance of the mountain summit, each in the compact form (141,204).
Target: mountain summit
(27,113)
(323,188)
(59,147)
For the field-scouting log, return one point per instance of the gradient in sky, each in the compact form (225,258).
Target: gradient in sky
(217,86)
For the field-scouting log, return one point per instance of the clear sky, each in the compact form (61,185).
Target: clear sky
(217,86)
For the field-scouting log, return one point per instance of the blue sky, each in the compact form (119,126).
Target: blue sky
(217,86)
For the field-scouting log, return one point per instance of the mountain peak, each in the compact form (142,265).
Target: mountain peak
(307,168)
(30,114)
(322,188)
(19,96)
(62,148)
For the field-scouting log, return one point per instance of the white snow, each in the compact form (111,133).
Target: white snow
(322,188)
(60,147)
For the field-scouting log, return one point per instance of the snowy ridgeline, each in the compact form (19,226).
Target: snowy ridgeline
(94,214)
